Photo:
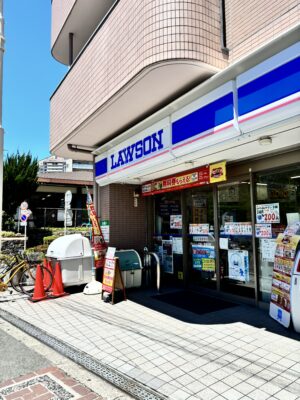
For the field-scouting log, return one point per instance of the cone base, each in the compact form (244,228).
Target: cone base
(55,296)
(34,300)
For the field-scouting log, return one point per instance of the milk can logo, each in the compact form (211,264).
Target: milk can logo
(143,147)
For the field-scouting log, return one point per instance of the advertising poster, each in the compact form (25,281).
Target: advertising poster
(177,245)
(203,257)
(267,213)
(238,265)
(176,221)
(167,256)
(268,247)
(263,230)
(238,228)
(217,172)
(280,306)
(199,229)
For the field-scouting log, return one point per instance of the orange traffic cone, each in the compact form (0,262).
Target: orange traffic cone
(47,277)
(57,287)
(39,291)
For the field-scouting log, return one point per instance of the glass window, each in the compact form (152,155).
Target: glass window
(236,253)
(168,235)
(277,205)
(200,219)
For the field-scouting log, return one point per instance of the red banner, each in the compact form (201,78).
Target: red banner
(98,242)
(197,177)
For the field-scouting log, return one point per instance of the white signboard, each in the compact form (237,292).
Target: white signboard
(68,198)
(268,247)
(267,213)
(238,228)
(199,229)
(177,245)
(238,265)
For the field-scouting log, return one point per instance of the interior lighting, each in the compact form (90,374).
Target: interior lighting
(265,140)
(295,177)
(262,184)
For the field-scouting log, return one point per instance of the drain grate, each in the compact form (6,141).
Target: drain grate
(104,371)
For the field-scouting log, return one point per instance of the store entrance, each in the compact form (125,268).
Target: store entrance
(235,230)
(201,238)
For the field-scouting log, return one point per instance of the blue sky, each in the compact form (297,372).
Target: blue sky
(30,76)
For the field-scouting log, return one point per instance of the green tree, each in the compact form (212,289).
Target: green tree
(19,180)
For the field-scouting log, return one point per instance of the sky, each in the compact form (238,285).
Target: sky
(30,76)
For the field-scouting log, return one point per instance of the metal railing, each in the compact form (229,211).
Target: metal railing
(147,263)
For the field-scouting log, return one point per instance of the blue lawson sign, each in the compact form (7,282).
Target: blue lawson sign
(132,152)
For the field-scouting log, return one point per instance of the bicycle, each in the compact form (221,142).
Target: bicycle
(21,273)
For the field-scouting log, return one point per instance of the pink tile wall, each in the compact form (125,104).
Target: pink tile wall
(60,12)
(137,34)
(250,24)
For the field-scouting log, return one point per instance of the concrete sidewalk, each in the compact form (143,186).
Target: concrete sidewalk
(236,353)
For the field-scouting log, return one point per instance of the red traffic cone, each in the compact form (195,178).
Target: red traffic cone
(47,276)
(39,291)
(57,285)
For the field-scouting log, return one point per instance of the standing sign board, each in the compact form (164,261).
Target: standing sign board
(112,277)
(286,245)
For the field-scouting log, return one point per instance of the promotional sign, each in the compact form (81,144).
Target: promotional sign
(199,229)
(286,245)
(203,257)
(263,230)
(267,213)
(112,277)
(238,265)
(176,221)
(217,172)
(238,228)
(167,256)
(98,242)
(197,177)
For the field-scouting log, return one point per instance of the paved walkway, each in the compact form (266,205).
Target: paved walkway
(236,353)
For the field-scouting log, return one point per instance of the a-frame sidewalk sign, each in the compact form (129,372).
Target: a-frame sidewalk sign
(112,277)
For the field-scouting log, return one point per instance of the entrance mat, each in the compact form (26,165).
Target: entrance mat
(194,302)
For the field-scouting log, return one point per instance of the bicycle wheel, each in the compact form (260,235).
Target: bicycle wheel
(28,276)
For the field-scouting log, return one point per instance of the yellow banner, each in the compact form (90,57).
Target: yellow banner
(217,172)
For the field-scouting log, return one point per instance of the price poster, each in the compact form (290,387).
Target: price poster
(268,213)
(238,265)
(177,245)
(199,229)
(167,256)
(263,230)
(280,306)
(204,258)
(109,274)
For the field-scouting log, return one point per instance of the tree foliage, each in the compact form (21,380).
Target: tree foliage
(19,180)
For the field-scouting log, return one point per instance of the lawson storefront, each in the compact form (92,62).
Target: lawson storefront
(218,172)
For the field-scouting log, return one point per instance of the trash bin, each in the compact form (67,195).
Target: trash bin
(131,267)
(74,254)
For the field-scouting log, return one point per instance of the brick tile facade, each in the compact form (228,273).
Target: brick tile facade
(136,35)
(251,24)
(127,223)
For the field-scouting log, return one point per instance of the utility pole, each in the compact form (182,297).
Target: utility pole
(1,128)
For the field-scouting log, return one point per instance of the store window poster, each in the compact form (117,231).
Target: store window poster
(238,265)
(167,256)
(176,221)
(203,257)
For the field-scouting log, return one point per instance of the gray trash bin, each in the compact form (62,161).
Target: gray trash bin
(131,267)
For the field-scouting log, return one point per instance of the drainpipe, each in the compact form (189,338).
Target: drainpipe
(1,129)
